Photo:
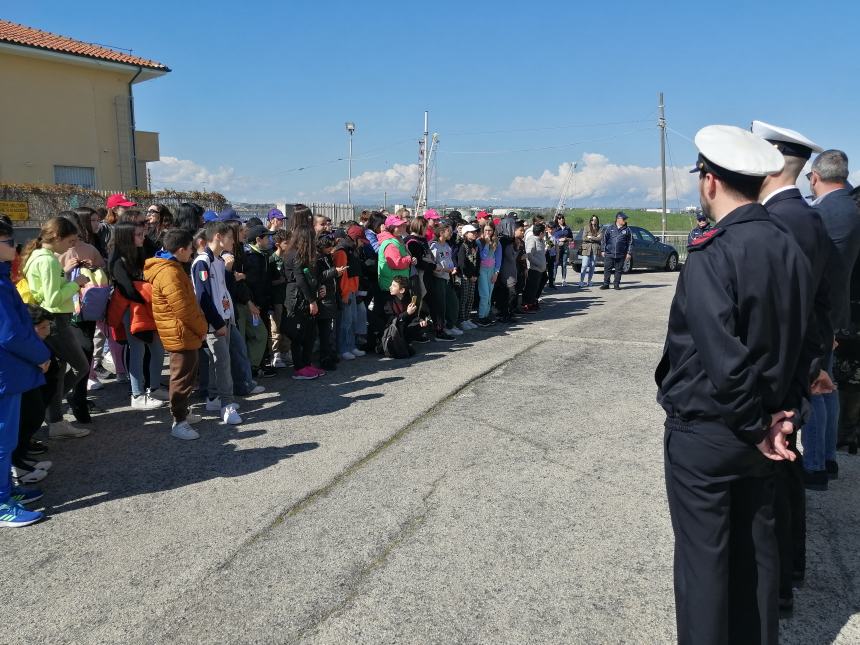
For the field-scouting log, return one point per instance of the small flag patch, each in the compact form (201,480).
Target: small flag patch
(204,275)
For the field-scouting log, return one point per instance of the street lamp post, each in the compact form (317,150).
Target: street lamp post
(350,127)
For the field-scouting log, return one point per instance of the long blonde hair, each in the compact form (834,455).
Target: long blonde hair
(52,231)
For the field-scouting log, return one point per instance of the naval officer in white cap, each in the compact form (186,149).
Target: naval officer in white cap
(782,199)
(730,386)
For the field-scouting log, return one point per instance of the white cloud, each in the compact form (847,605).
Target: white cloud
(598,180)
(400,178)
(468,192)
(184,174)
(854,178)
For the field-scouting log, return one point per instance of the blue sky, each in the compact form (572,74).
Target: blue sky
(514,91)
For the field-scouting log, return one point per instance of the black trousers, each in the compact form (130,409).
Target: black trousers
(550,268)
(610,263)
(301,330)
(721,492)
(534,283)
(78,396)
(328,345)
(790,515)
(34,404)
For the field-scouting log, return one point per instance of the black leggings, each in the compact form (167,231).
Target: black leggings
(302,333)
(34,404)
(78,397)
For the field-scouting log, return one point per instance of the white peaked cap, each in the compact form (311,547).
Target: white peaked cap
(738,150)
(784,135)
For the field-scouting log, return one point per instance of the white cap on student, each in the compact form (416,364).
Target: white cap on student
(789,142)
(727,147)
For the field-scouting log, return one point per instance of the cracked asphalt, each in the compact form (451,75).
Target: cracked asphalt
(505,488)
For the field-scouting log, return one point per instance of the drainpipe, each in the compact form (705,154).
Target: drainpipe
(131,113)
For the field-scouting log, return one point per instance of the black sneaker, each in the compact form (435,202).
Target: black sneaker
(424,338)
(483,322)
(37,448)
(815,480)
(832,468)
(267,371)
(441,335)
(604,286)
(617,287)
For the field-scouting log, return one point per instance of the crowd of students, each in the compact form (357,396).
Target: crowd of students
(109,294)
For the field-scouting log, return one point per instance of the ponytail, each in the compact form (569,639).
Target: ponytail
(53,230)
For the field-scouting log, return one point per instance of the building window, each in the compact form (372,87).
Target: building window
(75,175)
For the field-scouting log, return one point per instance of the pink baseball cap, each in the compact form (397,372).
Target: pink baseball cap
(482,215)
(393,220)
(431,213)
(118,199)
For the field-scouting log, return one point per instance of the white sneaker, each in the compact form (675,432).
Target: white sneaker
(464,326)
(122,378)
(65,430)
(257,389)
(143,402)
(278,361)
(32,464)
(94,384)
(107,363)
(348,356)
(192,418)
(213,405)
(358,353)
(29,476)
(230,416)
(453,331)
(159,394)
(184,431)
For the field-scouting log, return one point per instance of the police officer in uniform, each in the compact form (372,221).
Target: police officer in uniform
(730,385)
(782,199)
(703,225)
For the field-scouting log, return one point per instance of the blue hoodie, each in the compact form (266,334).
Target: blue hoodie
(21,350)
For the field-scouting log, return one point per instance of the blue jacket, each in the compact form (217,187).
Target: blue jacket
(21,350)
(618,242)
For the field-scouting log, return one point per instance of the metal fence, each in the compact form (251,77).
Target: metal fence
(679,242)
(337,212)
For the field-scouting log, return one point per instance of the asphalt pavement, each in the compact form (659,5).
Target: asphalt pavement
(504,488)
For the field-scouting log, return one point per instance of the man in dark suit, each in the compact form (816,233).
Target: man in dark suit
(783,201)
(841,219)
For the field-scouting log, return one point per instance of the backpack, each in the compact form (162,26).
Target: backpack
(27,296)
(92,301)
(394,342)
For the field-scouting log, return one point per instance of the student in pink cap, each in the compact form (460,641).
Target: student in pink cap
(432,216)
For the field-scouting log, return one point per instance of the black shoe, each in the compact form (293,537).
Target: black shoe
(815,480)
(832,468)
(82,414)
(617,288)
(551,286)
(483,322)
(37,448)
(441,335)
(786,607)
(604,286)
(267,371)
(422,339)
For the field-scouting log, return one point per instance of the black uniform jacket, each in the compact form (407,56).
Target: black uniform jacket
(736,326)
(842,223)
(791,213)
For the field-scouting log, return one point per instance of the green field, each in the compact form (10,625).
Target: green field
(577,217)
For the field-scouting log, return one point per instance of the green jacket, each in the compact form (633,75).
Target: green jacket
(385,271)
(48,282)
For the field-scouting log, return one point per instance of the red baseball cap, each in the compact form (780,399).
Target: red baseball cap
(118,199)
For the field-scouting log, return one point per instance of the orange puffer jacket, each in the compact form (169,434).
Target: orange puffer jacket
(140,316)
(179,319)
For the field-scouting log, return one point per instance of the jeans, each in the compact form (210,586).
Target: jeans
(820,433)
(220,379)
(346,329)
(240,365)
(561,261)
(136,349)
(485,289)
(588,262)
(610,263)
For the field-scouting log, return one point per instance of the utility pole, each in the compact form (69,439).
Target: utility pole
(385,200)
(661,123)
(426,159)
(350,127)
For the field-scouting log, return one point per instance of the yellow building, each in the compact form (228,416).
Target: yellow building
(67,112)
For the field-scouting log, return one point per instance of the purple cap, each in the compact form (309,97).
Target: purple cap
(276,214)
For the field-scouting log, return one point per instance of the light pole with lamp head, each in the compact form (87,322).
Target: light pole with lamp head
(350,127)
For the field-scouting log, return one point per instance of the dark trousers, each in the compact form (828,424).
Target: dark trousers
(302,334)
(550,267)
(328,346)
(790,516)
(720,493)
(78,397)
(610,264)
(533,286)
(444,305)
(183,375)
(376,316)
(34,404)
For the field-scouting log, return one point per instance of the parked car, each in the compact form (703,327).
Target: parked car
(648,251)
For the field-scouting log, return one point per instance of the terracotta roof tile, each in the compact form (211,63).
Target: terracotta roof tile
(16,34)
